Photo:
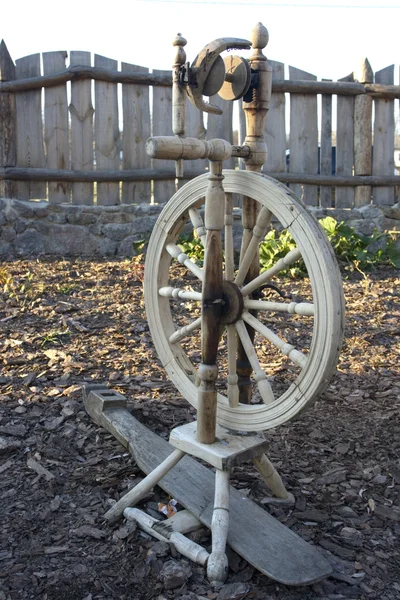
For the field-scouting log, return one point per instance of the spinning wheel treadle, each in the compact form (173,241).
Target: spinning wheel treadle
(320,316)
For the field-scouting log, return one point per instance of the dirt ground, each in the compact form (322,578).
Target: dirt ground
(67,322)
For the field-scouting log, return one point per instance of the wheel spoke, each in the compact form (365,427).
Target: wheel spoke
(198,225)
(229,254)
(290,258)
(183,258)
(233,390)
(298,308)
(171,292)
(263,384)
(288,350)
(185,331)
(259,231)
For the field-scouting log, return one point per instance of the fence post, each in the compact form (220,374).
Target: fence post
(363,134)
(8,153)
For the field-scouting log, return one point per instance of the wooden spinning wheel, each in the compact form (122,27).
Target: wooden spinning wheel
(318,319)
(306,331)
(248,351)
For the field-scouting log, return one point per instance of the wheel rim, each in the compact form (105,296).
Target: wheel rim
(326,287)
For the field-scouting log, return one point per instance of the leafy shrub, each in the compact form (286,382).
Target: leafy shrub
(353,250)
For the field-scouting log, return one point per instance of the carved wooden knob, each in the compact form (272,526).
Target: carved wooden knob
(180,55)
(259,36)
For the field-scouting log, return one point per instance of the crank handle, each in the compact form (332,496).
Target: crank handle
(176,148)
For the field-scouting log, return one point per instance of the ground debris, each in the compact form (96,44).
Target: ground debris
(334,458)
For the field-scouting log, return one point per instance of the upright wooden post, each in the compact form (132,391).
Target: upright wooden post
(363,133)
(383,156)
(325,194)
(256,114)
(8,154)
(344,196)
(211,306)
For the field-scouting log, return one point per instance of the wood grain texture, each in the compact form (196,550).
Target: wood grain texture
(383,154)
(220,126)
(275,131)
(136,128)
(162,125)
(81,114)
(107,138)
(344,196)
(56,126)
(268,545)
(303,138)
(325,198)
(30,144)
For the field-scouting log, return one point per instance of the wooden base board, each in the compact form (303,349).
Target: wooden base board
(254,534)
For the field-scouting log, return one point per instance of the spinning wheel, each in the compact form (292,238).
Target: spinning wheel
(317,318)
(248,350)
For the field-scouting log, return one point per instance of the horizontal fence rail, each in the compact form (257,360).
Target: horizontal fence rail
(68,140)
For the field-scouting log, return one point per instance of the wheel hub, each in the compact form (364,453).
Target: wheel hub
(233,303)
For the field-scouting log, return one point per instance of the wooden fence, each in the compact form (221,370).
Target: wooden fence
(77,135)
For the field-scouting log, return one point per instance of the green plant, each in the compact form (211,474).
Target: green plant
(19,291)
(54,337)
(353,250)
(192,246)
(275,246)
(359,251)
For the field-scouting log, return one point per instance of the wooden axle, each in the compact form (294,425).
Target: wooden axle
(176,148)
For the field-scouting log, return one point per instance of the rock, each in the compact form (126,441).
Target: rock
(29,242)
(175,574)
(351,537)
(117,231)
(9,444)
(233,591)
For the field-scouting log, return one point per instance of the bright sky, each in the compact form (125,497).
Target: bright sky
(324,37)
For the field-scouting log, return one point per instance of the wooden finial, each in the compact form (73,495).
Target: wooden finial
(364,72)
(180,56)
(259,38)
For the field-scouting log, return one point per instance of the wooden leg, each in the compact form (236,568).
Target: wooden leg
(272,478)
(144,487)
(217,566)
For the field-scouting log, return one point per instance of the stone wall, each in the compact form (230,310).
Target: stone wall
(34,228)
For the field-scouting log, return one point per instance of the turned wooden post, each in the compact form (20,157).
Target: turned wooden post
(8,152)
(211,306)
(178,96)
(363,134)
(255,114)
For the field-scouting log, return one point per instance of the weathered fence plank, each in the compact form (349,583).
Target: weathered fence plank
(162,125)
(106,132)
(383,153)
(303,137)
(325,192)
(56,126)
(81,114)
(30,144)
(136,130)
(275,129)
(8,150)
(363,134)
(194,128)
(344,197)
(220,126)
